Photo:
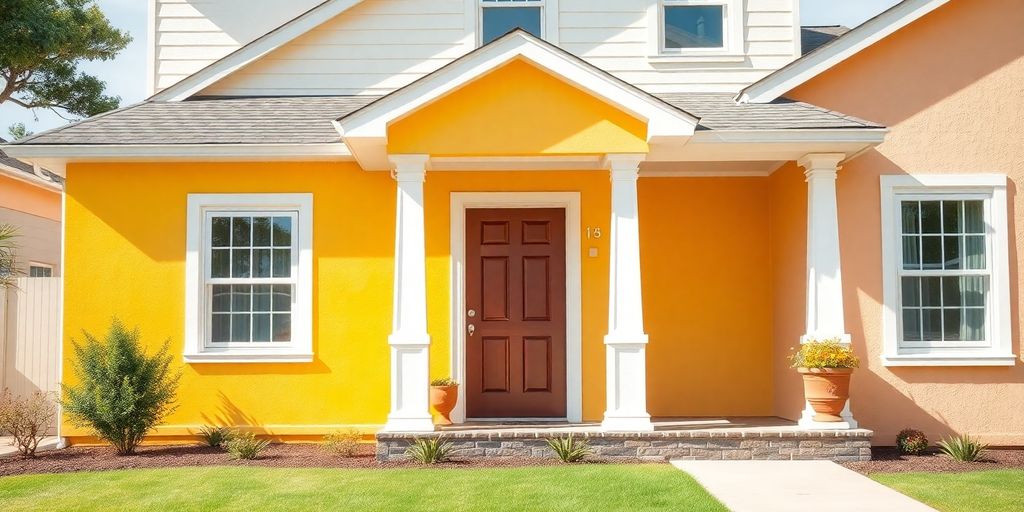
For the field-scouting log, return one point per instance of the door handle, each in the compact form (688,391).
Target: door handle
(471,329)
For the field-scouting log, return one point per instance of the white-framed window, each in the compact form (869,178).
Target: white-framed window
(946,270)
(698,28)
(249,278)
(496,18)
(36,269)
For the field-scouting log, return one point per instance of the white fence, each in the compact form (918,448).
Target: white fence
(30,335)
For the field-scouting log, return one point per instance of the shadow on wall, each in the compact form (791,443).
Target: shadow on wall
(228,414)
(245,20)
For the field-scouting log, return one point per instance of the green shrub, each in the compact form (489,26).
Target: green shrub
(344,443)
(446,381)
(962,448)
(245,445)
(122,392)
(429,450)
(216,437)
(911,442)
(824,354)
(26,419)
(570,449)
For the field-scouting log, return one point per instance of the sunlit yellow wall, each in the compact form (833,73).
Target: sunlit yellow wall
(518,110)
(125,257)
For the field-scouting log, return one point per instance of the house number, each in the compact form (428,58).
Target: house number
(593,233)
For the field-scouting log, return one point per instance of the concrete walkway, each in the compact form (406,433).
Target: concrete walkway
(797,486)
(7,448)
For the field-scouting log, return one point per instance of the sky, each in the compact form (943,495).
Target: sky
(126,75)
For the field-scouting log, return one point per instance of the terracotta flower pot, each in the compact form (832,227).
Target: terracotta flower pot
(827,390)
(443,399)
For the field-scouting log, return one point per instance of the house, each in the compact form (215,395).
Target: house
(30,202)
(584,211)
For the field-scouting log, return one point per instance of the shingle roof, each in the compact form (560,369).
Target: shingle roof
(308,120)
(814,37)
(26,167)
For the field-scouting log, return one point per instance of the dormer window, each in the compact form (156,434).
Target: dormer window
(696,27)
(499,17)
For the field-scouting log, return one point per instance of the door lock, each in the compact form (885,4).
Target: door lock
(471,313)
(471,329)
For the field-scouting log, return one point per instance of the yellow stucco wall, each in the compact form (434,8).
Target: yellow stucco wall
(952,101)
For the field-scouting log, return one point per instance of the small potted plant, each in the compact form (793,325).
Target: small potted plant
(444,393)
(826,367)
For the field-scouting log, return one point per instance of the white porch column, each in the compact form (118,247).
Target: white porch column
(824,279)
(410,344)
(626,342)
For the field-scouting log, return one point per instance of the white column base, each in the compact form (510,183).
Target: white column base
(807,420)
(627,384)
(410,379)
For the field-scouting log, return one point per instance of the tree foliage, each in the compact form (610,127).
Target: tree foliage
(8,255)
(122,392)
(41,44)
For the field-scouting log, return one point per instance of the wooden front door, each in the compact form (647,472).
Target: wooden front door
(515,313)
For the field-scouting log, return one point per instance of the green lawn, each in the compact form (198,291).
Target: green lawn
(980,491)
(568,488)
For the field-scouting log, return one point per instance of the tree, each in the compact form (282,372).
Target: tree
(8,248)
(41,44)
(18,131)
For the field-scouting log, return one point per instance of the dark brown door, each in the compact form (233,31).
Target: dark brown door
(515,303)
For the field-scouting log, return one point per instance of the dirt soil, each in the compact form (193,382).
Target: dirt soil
(276,455)
(889,460)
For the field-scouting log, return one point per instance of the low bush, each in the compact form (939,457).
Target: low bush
(122,392)
(570,449)
(429,450)
(344,443)
(830,353)
(962,448)
(26,419)
(245,445)
(911,442)
(446,381)
(216,437)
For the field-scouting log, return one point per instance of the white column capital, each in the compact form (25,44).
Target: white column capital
(821,164)
(624,166)
(409,168)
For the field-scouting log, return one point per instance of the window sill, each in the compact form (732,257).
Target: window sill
(670,58)
(236,356)
(947,359)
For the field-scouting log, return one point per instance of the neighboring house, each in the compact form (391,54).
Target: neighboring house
(576,220)
(30,200)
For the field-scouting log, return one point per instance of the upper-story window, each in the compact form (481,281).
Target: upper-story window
(499,17)
(700,26)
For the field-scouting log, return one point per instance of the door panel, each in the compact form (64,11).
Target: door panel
(515,301)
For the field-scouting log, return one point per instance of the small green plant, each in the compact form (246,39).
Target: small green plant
(830,353)
(216,437)
(570,449)
(911,442)
(245,445)
(26,419)
(962,448)
(344,443)
(429,450)
(122,392)
(446,381)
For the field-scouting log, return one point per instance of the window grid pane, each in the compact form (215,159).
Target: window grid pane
(937,238)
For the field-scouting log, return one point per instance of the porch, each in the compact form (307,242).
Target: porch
(748,438)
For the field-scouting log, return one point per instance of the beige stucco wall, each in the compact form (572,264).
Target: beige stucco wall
(951,88)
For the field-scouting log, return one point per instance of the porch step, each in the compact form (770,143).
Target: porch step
(768,443)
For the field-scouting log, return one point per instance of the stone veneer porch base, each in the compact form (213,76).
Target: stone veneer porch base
(726,442)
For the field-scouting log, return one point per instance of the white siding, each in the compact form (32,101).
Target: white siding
(380,45)
(30,336)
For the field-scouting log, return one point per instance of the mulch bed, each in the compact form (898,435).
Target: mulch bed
(276,456)
(889,460)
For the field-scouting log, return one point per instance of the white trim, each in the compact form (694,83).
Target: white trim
(31,179)
(366,131)
(460,202)
(549,17)
(733,30)
(255,50)
(813,64)
(300,349)
(998,323)
(151,44)
(61,440)
(331,151)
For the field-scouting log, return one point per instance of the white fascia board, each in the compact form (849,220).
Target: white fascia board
(178,151)
(813,64)
(838,135)
(372,122)
(30,179)
(255,50)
